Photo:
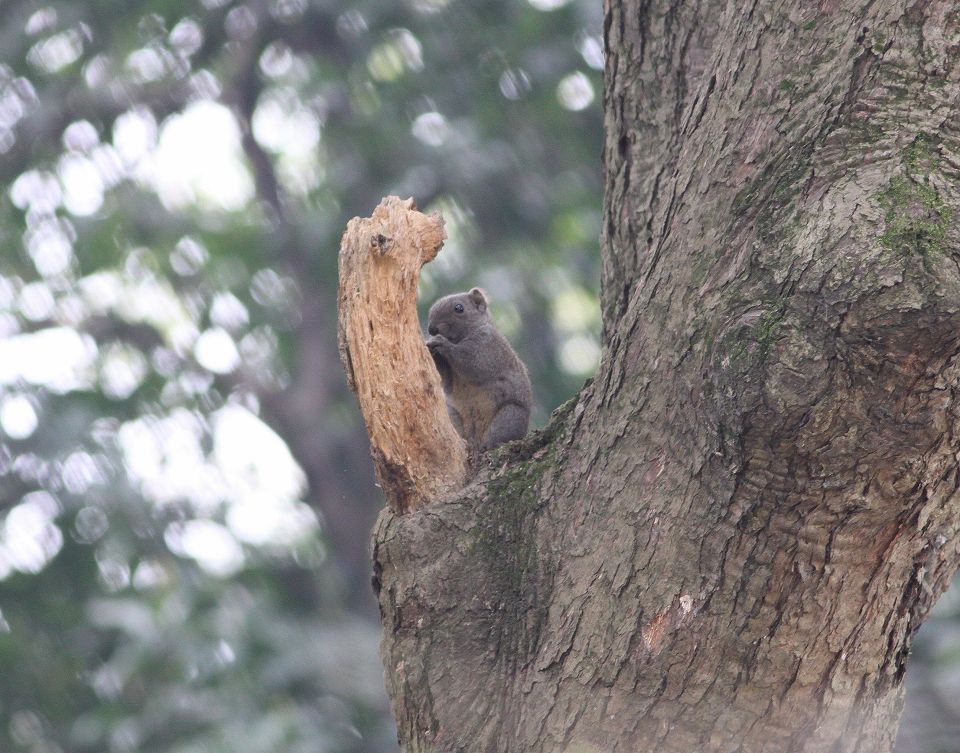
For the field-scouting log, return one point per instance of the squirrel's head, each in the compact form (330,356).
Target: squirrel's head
(453,316)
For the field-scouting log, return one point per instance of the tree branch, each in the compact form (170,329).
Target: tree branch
(417,453)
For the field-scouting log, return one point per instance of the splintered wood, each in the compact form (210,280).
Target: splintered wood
(417,453)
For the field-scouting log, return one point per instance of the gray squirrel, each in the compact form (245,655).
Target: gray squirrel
(486,384)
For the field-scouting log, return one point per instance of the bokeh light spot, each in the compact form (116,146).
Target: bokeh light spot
(216,351)
(18,417)
(575,91)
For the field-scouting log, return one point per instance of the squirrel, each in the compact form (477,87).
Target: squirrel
(484,381)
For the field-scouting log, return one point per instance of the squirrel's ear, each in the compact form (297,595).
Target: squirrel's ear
(479,298)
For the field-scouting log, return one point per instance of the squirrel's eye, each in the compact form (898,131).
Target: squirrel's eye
(458,307)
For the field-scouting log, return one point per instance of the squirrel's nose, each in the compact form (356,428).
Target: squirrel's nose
(433,330)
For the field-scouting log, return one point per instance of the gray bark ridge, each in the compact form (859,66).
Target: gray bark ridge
(728,539)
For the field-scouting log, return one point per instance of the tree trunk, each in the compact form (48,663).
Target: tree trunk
(727,541)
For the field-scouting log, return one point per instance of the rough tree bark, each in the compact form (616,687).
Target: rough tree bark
(727,541)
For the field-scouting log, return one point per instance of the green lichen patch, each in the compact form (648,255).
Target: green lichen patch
(748,347)
(916,217)
(765,333)
(920,157)
(878,43)
(505,540)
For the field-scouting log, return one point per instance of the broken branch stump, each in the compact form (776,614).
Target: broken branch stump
(417,454)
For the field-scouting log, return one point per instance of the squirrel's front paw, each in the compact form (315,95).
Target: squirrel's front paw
(435,343)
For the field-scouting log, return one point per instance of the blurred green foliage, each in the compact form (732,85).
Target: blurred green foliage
(185,489)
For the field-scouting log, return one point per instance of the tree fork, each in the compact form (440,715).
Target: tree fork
(418,455)
(728,540)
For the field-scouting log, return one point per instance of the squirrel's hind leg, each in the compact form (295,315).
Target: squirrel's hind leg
(510,422)
(456,419)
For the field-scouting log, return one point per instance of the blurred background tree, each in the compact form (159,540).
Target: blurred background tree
(185,489)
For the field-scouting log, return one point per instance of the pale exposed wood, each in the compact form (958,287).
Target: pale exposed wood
(417,453)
